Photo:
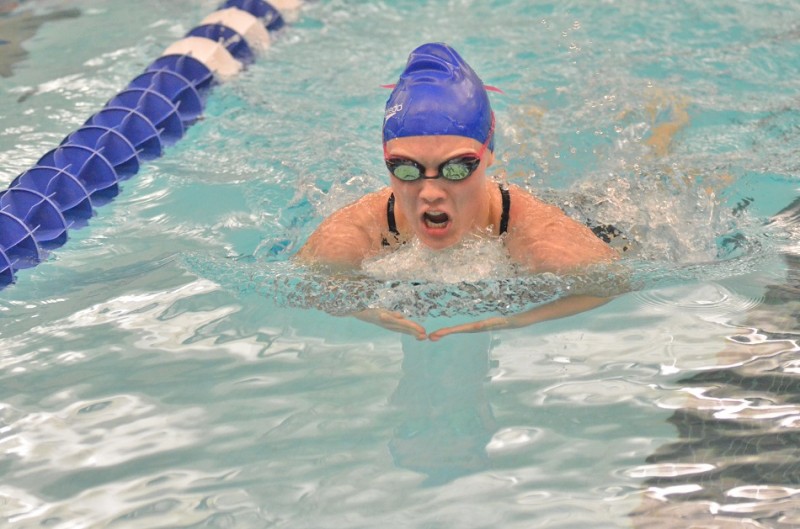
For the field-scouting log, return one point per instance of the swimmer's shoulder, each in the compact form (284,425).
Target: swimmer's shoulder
(528,212)
(544,238)
(350,234)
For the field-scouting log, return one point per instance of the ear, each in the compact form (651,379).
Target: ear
(489,158)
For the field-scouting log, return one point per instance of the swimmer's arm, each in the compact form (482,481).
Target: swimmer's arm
(542,238)
(324,250)
(334,247)
(546,241)
(338,248)
(345,238)
(393,321)
(559,308)
(553,310)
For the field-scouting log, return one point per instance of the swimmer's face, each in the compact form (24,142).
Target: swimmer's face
(441,212)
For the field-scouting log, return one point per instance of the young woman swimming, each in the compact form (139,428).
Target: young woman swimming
(438,141)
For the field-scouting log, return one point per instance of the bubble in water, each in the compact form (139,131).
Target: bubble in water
(472,260)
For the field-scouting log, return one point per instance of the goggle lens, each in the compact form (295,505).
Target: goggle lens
(404,171)
(459,168)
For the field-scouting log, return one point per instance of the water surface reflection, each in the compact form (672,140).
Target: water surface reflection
(445,418)
(737,460)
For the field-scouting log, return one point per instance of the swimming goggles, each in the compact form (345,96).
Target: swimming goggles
(454,169)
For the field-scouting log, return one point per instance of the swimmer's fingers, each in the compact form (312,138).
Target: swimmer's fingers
(476,326)
(393,321)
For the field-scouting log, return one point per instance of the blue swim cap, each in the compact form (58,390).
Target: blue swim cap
(438,94)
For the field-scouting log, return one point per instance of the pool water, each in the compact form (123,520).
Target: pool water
(170,367)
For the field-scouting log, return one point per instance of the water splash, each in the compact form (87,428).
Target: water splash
(470,280)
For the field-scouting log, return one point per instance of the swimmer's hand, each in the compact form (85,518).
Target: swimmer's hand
(560,308)
(488,324)
(394,321)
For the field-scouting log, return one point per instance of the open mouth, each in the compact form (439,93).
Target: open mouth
(435,219)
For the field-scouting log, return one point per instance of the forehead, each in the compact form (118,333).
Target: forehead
(431,146)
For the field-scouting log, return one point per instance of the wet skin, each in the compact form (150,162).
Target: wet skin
(441,212)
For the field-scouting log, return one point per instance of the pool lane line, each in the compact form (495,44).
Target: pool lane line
(62,190)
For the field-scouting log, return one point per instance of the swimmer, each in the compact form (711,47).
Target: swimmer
(438,142)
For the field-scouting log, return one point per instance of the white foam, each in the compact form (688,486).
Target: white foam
(474,259)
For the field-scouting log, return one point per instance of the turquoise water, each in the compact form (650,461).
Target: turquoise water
(169,367)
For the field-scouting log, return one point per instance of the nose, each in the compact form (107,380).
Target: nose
(431,190)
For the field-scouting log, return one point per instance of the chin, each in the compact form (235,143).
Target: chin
(438,243)
(439,239)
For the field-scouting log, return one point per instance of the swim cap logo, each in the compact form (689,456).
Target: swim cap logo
(392,110)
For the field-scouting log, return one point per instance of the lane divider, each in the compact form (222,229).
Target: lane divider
(62,190)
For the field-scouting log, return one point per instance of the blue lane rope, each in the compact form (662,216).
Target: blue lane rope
(64,187)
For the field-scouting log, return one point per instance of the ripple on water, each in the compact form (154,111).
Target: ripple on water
(710,300)
(89,434)
(509,439)
(177,498)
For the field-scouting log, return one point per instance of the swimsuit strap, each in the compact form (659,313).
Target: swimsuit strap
(503,217)
(506,209)
(390,220)
(390,216)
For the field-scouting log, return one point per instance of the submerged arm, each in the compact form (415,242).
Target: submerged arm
(342,242)
(559,308)
(546,240)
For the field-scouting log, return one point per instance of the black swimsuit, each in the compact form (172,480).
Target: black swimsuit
(503,217)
